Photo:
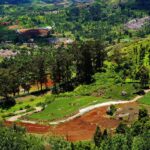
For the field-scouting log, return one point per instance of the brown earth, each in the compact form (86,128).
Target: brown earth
(13,27)
(83,128)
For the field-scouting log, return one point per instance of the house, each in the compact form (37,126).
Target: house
(33,33)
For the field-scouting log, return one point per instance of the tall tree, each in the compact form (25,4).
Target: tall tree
(97,136)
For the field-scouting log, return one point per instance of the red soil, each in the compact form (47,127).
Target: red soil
(81,128)
(34,32)
(12,27)
(31,128)
(49,83)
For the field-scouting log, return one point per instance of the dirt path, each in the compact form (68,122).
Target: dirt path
(16,117)
(80,128)
(83,127)
(89,108)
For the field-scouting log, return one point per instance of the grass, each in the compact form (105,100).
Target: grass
(1,59)
(22,103)
(145,99)
(65,106)
(106,86)
(103,89)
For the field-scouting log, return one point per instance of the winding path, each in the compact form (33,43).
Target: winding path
(82,125)
(16,117)
(80,113)
(89,108)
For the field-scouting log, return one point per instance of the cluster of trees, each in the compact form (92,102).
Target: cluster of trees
(15,138)
(87,22)
(14,1)
(144,4)
(132,61)
(67,67)
(84,59)
(72,65)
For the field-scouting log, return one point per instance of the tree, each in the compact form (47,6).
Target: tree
(143,76)
(83,60)
(122,128)
(97,136)
(119,142)
(138,143)
(61,71)
(105,135)
(41,71)
(143,114)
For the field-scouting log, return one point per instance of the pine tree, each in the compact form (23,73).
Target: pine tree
(97,136)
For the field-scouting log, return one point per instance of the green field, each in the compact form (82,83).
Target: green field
(65,106)
(22,103)
(145,99)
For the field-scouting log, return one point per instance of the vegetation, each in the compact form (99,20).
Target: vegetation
(73,53)
(145,99)
(134,137)
(14,138)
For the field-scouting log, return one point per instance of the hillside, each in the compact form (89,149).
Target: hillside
(74,74)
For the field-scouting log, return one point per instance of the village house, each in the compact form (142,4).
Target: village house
(33,33)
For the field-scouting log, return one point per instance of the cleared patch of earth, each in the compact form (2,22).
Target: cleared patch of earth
(83,127)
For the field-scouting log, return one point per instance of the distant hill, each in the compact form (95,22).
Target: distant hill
(46,1)
(14,1)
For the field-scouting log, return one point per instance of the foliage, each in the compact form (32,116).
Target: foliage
(15,139)
(112,109)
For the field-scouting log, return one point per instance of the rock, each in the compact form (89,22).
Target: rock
(123,93)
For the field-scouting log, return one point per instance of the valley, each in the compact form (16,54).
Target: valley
(74,74)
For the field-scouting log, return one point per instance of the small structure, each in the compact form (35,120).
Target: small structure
(6,53)
(33,33)
(123,116)
(136,24)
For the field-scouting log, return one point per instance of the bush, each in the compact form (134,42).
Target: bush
(7,103)
(32,99)
(49,99)
(59,144)
(20,103)
(27,107)
(111,110)
(14,138)
(40,104)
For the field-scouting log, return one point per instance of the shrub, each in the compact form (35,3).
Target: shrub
(40,104)
(20,102)
(27,107)
(32,99)
(7,103)
(111,110)
(49,99)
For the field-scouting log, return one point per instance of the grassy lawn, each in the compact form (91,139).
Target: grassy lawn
(145,99)
(65,106)
(22,103)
